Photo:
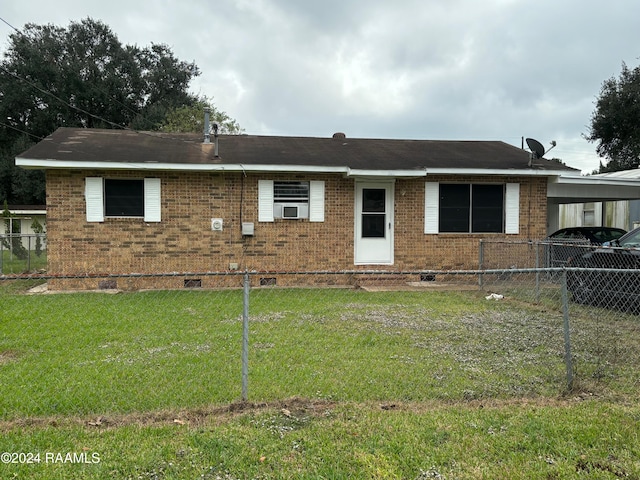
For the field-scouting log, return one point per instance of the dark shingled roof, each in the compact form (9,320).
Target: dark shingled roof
(95,145)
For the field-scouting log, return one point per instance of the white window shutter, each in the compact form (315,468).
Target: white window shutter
(512,209)
(316,201)
(431,207)
(152,203)
(265,200)
(94,198)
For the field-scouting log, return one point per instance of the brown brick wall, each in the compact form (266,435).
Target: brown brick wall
(184,242)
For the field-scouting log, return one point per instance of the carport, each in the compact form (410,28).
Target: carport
(566,189)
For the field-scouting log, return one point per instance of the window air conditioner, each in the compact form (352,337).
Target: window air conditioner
(290,211)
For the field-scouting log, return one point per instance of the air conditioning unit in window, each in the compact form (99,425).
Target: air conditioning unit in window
(290,210)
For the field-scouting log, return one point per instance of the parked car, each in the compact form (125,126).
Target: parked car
(617,282)
(629,240)
(570,242)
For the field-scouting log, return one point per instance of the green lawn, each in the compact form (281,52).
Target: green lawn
(342,384)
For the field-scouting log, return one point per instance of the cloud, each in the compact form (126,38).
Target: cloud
(461,69)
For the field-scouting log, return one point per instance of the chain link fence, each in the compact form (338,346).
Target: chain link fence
(601,304)
(501,254)
(21,253)
(218,337)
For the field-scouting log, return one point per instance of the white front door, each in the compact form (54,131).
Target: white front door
(374,223)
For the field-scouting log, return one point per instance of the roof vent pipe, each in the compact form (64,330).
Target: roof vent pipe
(207,110)
(215,139)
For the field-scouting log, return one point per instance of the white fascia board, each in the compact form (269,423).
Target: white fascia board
(191,167)
(210,167)
(28,212)
(231,167)
(525,172)
(594,180)
(356,172)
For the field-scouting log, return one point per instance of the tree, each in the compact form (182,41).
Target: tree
(84,77)
(38,229)
(616,120)
(190,119)
(81,76)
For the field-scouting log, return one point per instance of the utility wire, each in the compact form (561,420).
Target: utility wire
(21,131)
(58,98)
(7,23)
(64,102)
(157,135)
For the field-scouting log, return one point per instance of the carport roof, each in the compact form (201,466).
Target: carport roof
(593,188)
(117,149)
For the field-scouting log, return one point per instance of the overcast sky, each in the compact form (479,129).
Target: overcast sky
(413,69)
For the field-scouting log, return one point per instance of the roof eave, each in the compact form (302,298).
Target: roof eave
(155,166)
(595,180)
(31,163)
(519,172)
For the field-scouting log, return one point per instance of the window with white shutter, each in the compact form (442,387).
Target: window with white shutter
(316,201)
(122,198)
(290,200)
(94,199)
(512,209)
(152,204)
(472,208)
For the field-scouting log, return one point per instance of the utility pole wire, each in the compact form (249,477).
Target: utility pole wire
(7,23)
(64,102)
(112,99)
(21,131)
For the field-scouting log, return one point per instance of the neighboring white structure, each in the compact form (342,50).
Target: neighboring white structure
(618,213)
(24,216)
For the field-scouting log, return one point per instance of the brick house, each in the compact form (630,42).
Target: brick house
(124,202)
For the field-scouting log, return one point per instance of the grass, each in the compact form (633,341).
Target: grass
(362,441)
(342,384)
(10,264)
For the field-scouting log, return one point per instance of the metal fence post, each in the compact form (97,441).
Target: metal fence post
(567,331)
(480,262)
(245,337)
(537,247)
(29,253)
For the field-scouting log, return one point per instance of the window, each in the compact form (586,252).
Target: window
(122,198)
(290,200)
(454,208)
(471,208)
(289,192)
(373,212)
(487,208)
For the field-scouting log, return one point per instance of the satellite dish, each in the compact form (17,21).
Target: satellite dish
(536,147)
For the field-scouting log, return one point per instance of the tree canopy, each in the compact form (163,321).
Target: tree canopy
(615,123)
(82,76)
(190,119)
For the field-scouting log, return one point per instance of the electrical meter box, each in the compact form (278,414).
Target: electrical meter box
(216,224)
(247,229)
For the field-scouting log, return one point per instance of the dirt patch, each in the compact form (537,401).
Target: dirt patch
(191,417)
(422,286)
(293,408)
(8,356)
